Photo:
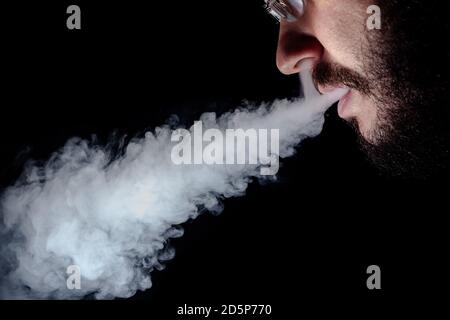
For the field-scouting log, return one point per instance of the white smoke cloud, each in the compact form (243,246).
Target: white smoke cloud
(113,217)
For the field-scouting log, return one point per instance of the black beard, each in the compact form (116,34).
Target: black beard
(413,146)
(411,66)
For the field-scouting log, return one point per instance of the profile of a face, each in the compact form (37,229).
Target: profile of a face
(332,33)
(384,69)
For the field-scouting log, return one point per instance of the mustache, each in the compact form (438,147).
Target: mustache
(332,74)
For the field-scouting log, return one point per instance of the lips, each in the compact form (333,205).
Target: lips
(343,106)
(326,89)
(343,110)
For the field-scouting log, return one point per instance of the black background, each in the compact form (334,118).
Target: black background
(301,244)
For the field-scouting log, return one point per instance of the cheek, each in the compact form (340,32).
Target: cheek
(342,33)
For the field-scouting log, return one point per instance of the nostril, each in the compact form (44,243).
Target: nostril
(294,48)
(305,64)
(285,67)
(285,63)
(288,67)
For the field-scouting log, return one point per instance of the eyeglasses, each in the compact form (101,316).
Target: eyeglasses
(288,10)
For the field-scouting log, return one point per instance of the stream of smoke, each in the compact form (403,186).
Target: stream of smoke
(112,218)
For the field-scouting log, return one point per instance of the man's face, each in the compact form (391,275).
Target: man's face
(393,98)
(334,33)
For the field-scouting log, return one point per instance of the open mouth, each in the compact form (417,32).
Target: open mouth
(343,110)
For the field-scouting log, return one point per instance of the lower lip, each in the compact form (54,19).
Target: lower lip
(343,105)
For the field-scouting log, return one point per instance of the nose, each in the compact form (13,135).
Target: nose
(294,47)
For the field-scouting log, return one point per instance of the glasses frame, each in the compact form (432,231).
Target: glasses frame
(283,10)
